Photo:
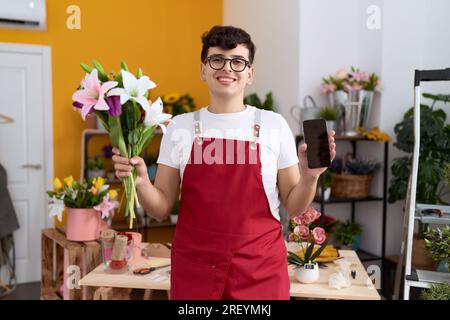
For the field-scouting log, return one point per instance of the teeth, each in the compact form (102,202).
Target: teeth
(225,79)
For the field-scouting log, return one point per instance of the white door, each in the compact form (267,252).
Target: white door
(26,146)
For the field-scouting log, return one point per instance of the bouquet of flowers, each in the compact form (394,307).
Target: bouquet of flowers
(308,236)
(176,104)
(120,101)
(93,193)
(350,81)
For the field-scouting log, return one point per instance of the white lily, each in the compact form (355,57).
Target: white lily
(56,207)
(133,89)
(154,115)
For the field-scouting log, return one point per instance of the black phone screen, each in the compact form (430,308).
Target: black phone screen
(316,138)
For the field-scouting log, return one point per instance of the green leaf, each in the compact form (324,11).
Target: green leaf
(309,250)
(146,138)
(101,72)
(103,116)
(119,79)
(133,137)
(294,259)
(86,68)
(319,251)
(123,65)
(116,135)
(437,97)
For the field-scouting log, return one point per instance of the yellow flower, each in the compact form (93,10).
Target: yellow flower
(68,181)
(168,109)
(112,194)
(171,98)
(57,184)
(93,190)
(99,182)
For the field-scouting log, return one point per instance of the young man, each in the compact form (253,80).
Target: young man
(234,163)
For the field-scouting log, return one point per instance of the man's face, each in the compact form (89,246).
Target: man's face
(226,82)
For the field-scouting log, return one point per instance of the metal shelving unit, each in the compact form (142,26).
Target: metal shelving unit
(362,254)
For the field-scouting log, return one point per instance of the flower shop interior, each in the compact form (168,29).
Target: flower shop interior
(369,68)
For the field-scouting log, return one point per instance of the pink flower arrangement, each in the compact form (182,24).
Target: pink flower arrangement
(350,81)
(308,235)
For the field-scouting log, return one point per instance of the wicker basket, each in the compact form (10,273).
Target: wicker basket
(351,186)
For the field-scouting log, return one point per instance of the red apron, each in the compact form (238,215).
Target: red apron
(227,244)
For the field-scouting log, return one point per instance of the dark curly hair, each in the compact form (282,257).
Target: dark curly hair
(227,37)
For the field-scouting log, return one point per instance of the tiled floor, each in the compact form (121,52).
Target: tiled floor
(25,291)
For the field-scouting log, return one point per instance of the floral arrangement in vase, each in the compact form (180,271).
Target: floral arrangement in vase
(352,90)
(312,242)
(346,81)
(89,203)
(92,193)
(120,102)
(176,104)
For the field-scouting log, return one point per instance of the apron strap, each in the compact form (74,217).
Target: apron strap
(256,128)
(197,127)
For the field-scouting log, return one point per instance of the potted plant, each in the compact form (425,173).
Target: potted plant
(329,113)
(96,167)
(89,204)
(174,212)
(437,291)
(152,166)
(312,242)
(254,100)
(437,241)
(354,178)
(347,234)
(327,182)
(433,158)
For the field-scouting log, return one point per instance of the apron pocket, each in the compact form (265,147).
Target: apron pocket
(192,276)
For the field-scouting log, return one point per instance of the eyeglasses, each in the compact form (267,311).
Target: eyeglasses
(236,64)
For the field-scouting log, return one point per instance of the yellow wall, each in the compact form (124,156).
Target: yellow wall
(161,36)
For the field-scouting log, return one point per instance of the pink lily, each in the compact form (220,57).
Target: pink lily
(92,94)
(106,206)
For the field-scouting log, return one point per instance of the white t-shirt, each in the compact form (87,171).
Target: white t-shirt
(277,144)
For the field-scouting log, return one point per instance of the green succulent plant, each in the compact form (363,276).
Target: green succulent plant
(328,113)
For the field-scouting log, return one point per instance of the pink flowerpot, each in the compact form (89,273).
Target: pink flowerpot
(84,224)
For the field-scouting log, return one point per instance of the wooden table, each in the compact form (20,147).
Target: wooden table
(156,280)
(361,287)
(359,290)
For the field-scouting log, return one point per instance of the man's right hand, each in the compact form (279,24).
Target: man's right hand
(123,166)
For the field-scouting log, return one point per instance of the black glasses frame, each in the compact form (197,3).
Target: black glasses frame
(225,60)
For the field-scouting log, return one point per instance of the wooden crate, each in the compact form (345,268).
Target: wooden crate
(55,249)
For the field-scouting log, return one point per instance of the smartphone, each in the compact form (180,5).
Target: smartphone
(316,137)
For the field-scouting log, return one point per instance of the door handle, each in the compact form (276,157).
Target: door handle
(32,166)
